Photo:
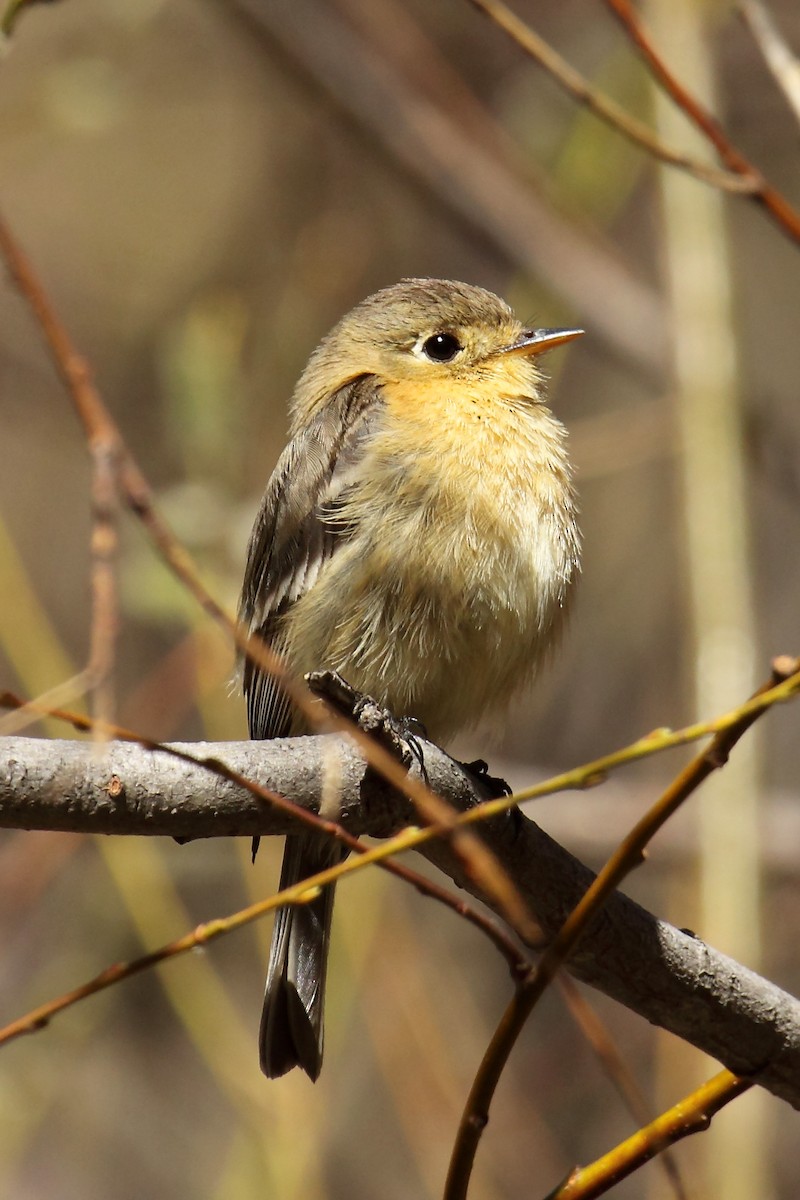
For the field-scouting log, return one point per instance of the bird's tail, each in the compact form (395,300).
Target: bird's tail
(291,1033)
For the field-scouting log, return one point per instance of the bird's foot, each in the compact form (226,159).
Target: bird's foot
(400,735)
(495,786)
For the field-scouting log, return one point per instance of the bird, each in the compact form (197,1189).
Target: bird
(418,536)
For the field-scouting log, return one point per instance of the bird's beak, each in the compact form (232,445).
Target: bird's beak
(536,341)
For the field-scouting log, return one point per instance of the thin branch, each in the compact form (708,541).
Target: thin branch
(589,1024)
(102,432)
(603,107)
(103,445)
(787,217)
(785,668)
(476,187)
(21,714)
(629,855)
(104,544)
(691,1115)
(300,893)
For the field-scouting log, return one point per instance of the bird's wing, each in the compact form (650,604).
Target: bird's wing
(297,531)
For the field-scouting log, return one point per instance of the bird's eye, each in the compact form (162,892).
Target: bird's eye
(441,347)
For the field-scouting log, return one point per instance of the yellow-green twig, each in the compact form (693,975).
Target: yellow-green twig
(691,1115)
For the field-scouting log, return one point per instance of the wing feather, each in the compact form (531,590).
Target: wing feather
(298,530)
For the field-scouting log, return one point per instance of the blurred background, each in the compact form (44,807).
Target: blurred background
(205,188)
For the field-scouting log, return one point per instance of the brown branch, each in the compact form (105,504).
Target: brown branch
(628,855)
(103,445)
(300,893)
(474,185)
(603,107)
(691,1115)
(741,176)
(787,217)
(106,442)
(104,611)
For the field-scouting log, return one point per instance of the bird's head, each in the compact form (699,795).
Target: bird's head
(428,330)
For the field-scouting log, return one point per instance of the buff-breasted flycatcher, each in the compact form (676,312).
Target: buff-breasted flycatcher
(418,536)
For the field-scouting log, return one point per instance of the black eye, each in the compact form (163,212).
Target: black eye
(441,347)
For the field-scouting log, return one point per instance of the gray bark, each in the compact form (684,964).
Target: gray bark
(668,976)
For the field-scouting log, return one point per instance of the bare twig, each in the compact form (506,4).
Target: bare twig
(299,893)
(691,1115)
(476,186)
(629,854)
(668,976)
(764,194)
(602,106)
(102,440)
(104,617)
(22,714)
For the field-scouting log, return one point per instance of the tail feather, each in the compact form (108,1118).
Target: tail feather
(292,1029)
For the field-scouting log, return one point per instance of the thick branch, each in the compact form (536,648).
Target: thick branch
(670,977)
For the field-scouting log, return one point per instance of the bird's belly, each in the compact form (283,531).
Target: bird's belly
(443,601)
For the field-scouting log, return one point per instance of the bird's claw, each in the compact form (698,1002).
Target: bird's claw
(493,784)
(497,789)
